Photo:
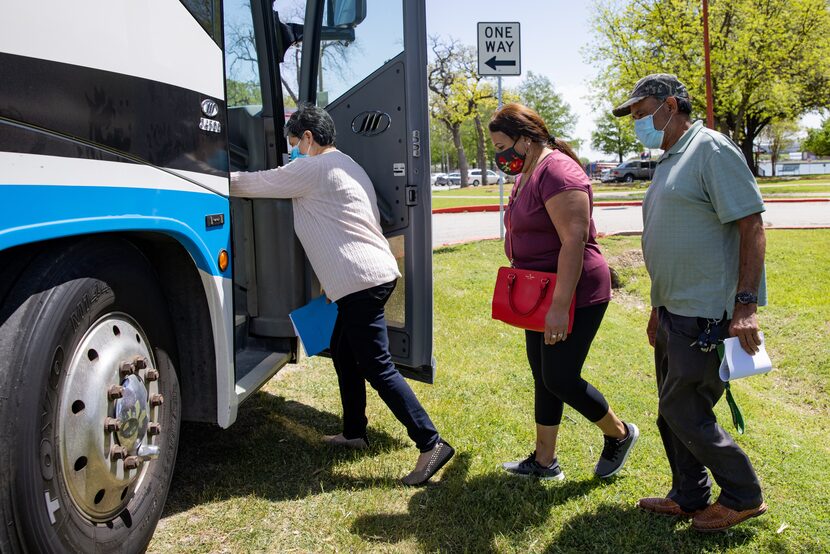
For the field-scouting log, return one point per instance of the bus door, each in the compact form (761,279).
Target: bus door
(366,63)
(271,277)
(372,79)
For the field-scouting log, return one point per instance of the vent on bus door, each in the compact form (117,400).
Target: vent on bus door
(369,124)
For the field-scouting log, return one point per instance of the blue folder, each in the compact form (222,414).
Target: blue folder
(314,323)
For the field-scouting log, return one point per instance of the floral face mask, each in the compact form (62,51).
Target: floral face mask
(510,161)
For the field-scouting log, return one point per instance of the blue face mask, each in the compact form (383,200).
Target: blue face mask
(646,133)
(295,153)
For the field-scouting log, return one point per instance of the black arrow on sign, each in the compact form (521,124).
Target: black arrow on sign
(493,62)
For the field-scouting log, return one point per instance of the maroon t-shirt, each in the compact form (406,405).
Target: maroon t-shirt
(534,239)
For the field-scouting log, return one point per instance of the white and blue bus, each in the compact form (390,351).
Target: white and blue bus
(134,293)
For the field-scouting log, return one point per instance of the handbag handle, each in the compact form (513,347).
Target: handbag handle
(507,225)
(511,278)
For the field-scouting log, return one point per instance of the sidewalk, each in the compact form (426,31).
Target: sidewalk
(454,228)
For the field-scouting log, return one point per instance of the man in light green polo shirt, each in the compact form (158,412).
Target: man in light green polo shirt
(703,244)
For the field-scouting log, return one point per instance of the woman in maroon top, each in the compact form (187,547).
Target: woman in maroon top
(550,228)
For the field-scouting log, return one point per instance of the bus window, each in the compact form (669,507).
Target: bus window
(241,69)
(377,39)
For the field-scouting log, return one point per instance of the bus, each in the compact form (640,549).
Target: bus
(135,294)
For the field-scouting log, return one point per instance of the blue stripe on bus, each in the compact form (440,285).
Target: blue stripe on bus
(32,213)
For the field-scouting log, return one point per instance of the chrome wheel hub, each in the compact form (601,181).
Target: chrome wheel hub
(108,416)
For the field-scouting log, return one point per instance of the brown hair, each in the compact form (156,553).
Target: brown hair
(516,120)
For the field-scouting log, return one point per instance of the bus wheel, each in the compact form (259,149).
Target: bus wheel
(89,422)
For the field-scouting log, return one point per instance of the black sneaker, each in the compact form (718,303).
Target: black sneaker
(529,467)
(616,452)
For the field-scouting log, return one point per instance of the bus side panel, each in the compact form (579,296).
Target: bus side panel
(47,197)
(149,39)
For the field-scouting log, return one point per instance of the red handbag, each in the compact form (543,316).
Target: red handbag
(522,297)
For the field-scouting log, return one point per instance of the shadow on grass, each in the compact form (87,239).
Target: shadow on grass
(273,451)
(617,529)
(483,513)
(466,514)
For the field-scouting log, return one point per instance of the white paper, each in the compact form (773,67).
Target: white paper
(737,363)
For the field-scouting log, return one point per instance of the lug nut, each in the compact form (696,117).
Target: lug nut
(118,453)
(115,392)
(111,425)
(154,429)
(156,400)
(151,375)
(131,462)
(126,369)
(141,363)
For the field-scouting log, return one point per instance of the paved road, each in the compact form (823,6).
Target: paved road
(454,228)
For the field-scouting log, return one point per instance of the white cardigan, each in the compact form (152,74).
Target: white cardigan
(335,217)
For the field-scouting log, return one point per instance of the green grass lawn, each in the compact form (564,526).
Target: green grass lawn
(488,190)
(819,189)
(267,483)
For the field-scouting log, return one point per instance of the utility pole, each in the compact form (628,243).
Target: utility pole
(710,110)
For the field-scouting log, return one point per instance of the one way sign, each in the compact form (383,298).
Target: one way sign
(498,49)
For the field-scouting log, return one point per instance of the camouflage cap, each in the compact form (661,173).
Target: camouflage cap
(659,85)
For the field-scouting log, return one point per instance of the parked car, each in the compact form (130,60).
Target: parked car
(438,179)
(634,170)
(474,177)
(605,176)
(454,178)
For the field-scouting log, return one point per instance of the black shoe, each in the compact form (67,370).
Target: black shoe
(616,452)
(438,457)
(529,467)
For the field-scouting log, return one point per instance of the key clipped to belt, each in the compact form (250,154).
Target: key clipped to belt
(709,338)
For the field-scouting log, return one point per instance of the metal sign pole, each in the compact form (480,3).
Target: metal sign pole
(499,54)
(501,181)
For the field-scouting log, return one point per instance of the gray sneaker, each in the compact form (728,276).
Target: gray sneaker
(529,467)
(616,452)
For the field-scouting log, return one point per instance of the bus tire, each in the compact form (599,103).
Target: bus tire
(67,328)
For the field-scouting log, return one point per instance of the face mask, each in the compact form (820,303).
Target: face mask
(295,153)
(510,161)
(646,133)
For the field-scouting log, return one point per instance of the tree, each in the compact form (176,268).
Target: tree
(770,59)
(537,92)
(243,93)
(455,92)
(441,146)
(818,140)
(614,135)
(779,134)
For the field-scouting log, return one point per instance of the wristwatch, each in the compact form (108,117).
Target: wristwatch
(745,297)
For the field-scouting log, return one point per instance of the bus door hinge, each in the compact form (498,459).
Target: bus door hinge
(411,195)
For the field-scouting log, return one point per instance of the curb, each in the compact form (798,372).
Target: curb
(611,204)
(632,233)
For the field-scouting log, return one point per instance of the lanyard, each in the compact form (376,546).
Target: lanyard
(737,416)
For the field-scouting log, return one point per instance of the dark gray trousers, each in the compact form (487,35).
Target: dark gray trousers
(688,386)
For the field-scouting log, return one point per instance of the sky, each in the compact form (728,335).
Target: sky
(553,33)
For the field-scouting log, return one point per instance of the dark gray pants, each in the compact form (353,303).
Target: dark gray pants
(689,387)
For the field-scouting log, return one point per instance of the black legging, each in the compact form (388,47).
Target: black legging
(557,370)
